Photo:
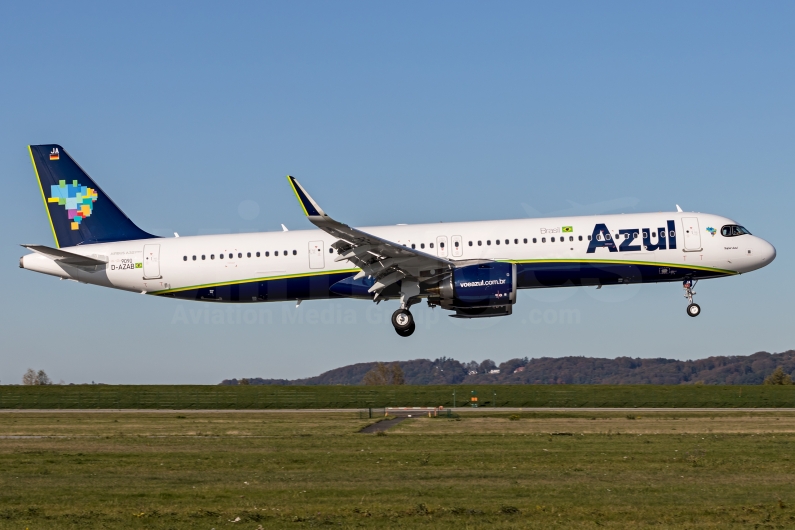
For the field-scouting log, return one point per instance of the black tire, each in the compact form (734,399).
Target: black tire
(402,319)
(406,332)
(694,310)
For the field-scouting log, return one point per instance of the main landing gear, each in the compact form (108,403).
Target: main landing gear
(403,321)
(693,309)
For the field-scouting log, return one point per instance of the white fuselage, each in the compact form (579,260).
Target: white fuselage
(181,264)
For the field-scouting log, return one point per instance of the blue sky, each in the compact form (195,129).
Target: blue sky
(394,113)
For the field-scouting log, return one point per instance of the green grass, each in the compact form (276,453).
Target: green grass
(190,470)
(297,397)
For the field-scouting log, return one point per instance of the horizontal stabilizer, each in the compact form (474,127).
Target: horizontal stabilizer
(67,258)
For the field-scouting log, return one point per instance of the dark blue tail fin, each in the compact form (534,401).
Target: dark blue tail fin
(80,213)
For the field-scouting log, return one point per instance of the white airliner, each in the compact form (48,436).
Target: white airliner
(473,269)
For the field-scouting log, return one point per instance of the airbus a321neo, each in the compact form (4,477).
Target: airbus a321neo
(473,269)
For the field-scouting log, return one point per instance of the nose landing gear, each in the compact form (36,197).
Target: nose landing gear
(693,309)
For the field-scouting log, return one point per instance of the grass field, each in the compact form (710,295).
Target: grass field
(302,397)
(162,470)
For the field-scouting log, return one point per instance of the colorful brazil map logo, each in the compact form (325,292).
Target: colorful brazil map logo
(78,200)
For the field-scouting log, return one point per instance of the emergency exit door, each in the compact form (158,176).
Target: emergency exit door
(151,262)
(458,246)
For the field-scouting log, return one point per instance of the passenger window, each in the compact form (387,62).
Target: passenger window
(284,253)
(654,234)
(212,256)
(672,233)
(239,255)
(257,254)
(202,257)
(194,258)
(608,237)
(230,255)
(422,245)
(220,256)
(184,258)
(579,238)
(645,235)
(248,254)
(534,240)
(480,243)
(507,241)
(275,252)
(543,240)
(516,241)
(295,252)
(267,254)
(497,242)
(331,251)
(413,246)
(551,239)
(525,241)
(571,238)
(626,236)
(470,243)
(431,245)
(488,241)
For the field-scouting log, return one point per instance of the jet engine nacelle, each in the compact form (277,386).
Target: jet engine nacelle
(481,290)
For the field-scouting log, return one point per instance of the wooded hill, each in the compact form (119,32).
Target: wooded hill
(731,370)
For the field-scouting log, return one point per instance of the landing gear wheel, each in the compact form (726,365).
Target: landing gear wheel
(693,310)
(402,319)
(406,332)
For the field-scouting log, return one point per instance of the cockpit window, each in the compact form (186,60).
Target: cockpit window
(733,230)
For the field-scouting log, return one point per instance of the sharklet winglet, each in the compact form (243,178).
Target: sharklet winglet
(311,208)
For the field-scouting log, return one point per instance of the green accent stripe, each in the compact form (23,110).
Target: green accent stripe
(625,262)
(292,184)
(41,189)
(264,278)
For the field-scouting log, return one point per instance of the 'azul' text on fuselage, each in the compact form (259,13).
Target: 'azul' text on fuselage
(629,238)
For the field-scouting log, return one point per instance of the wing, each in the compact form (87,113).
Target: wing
(68,258)
(385,261)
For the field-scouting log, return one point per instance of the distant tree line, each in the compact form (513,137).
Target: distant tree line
(32,377)
(756,369)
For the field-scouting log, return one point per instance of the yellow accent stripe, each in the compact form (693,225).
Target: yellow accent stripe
(292,185)
(41,189)
(264,278)
(626,262)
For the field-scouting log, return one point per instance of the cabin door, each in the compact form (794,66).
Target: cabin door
(316,258)
(151,262)
(692,234)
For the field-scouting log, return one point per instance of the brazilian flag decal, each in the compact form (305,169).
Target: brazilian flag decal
(567,229)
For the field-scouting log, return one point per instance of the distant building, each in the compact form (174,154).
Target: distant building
(496,371)
(473,372)
(520,369)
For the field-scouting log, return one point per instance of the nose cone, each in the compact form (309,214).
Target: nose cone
(766,253)
(763,253)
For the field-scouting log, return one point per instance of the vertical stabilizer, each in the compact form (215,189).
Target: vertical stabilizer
(79,211)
